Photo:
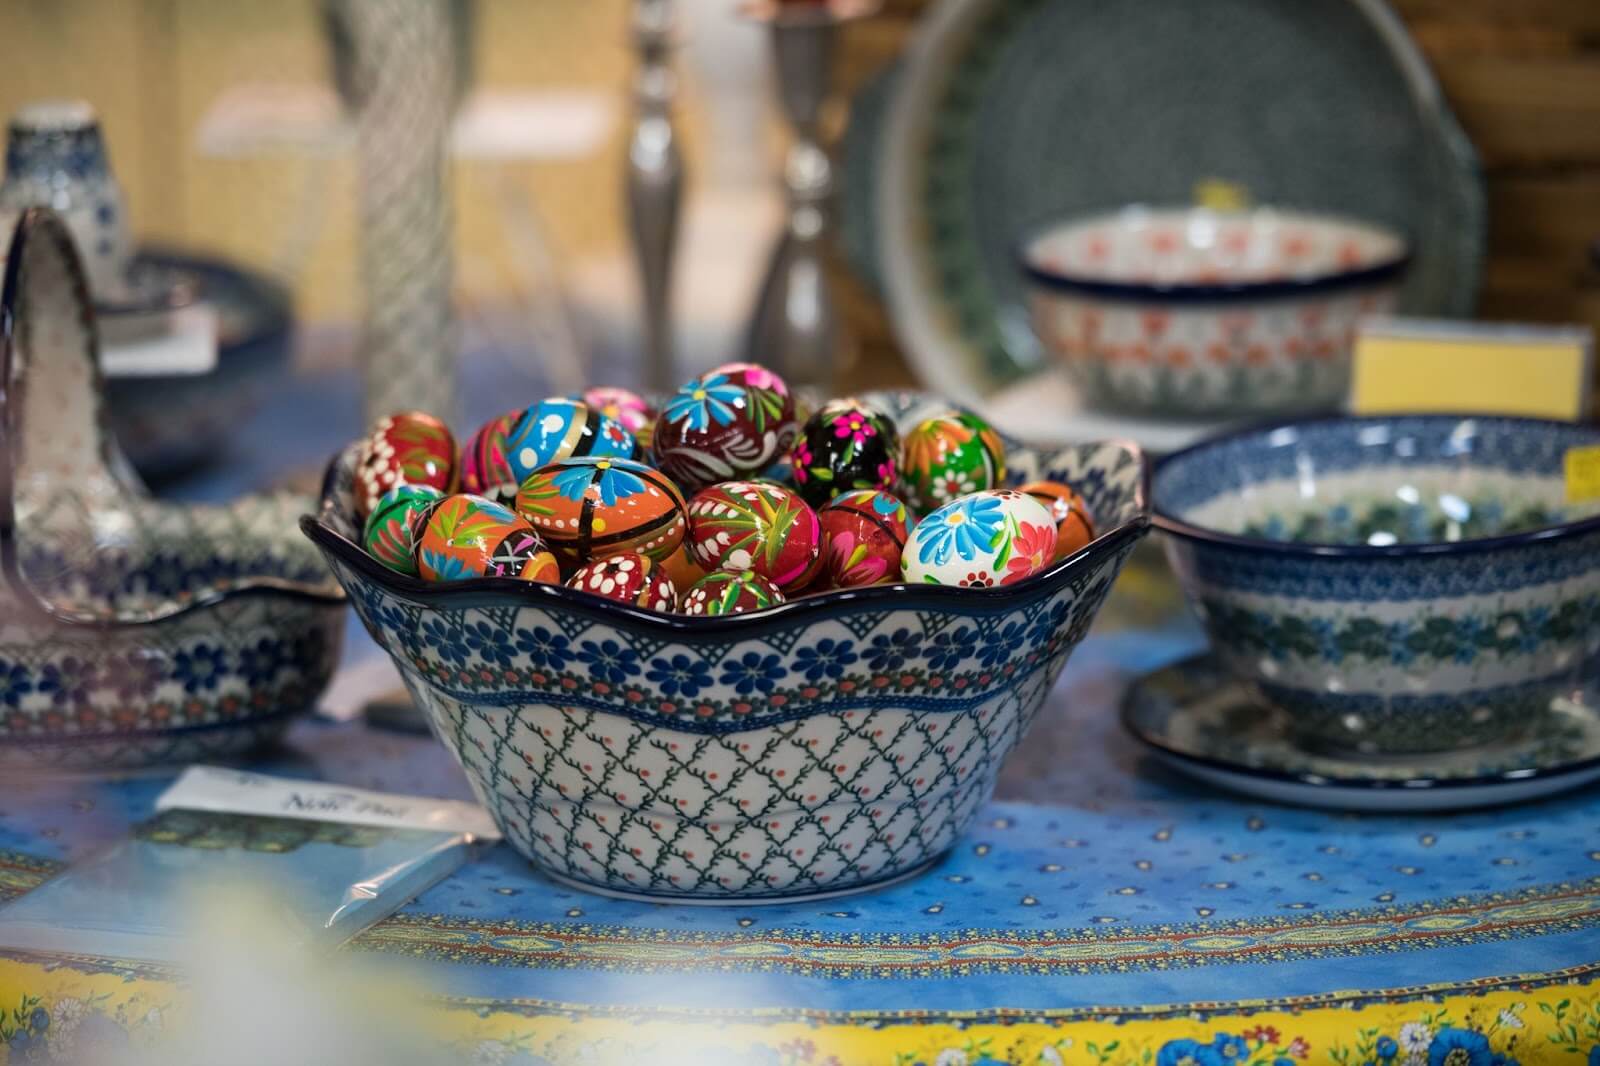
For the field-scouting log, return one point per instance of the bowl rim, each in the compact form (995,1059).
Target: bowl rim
(501,591)
(1171,524)
(1385,269)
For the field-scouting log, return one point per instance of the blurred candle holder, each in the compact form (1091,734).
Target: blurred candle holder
(654,184)
(795,326)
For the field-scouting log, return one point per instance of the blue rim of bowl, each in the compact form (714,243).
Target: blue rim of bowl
(496,591)
(1178,527)
(1384,270)
(1321,782)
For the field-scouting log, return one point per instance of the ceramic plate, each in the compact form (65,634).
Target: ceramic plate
(1201,721)
(1006,114)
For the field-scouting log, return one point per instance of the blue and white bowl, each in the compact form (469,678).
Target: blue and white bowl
(831,743)
(1394,584)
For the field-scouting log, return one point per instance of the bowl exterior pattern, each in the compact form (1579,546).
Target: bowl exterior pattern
(830,743)
(1406,651)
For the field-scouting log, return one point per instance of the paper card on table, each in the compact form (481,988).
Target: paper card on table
(1423,365)
(1583,474)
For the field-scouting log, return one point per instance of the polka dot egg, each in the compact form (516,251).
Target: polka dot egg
(562,429)
(731,592)
(948,456)
(864,534)
(390,532)
(628,578)
(996,537)
(469,536)
(750,525)
(590,508)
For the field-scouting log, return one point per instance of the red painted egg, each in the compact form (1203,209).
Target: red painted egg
(628,578)
(627,407)
(485,466)
(864,533)
(469,536)
(588,508)
(1074,525)
(409,448)
(733,422)
(730,592)
(749,525)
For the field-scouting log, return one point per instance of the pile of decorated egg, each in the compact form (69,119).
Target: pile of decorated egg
(864,533)
(757,526)
(588,508)
(731,423)
(627,578)
(409,448)
(846,445)
(949,456)
(391,529)
(730,592)
(994,537)
(1074,526)
(469,536)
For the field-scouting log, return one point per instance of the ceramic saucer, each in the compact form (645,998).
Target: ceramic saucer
(1198,719)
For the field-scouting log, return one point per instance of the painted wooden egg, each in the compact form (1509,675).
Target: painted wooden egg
(846,445)
(681,567)
(864,533)
(469,536)
(563,429)
(590,508)
(731,423)
(996,537)
(628,578)
(409,448)
(750,525)
(485,466)
(390,532)
(624,405)
(730,592)
(948,456)
(1074,525)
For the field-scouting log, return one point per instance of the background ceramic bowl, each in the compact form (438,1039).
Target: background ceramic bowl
(1394,584)
(834,742)
(1196,312)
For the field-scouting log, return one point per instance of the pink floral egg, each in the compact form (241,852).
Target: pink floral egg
(864,534)
(624,405)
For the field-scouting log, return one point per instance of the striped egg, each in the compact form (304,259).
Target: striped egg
(485,467)
(563,429)
(590,508)
(390,533)
(469,536)
(753,525)
(730,592)
(628,578)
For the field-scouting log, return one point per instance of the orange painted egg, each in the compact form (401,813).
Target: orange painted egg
(1074,525)
(409,448)
(628,578)
(730,592)
(681,567)
(469,536)
(864,533)
(752,525)
(590,508)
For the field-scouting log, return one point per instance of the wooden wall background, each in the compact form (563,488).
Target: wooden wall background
(1523,77)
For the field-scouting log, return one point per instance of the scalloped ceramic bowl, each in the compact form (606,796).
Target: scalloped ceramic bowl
(836,742)
(132,633)
(1393,584)
(1197,312)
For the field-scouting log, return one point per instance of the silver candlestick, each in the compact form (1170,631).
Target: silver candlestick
(795,326)
(655,185)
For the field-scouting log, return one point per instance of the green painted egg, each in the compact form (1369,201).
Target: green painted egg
(391,529)
(948,456)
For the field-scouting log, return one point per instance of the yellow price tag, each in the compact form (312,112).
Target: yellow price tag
(1583,474)
(1219,195)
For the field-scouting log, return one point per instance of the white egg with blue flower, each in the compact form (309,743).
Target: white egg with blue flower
(994,537)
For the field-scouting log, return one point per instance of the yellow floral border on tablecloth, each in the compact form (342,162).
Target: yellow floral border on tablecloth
(1536,1018)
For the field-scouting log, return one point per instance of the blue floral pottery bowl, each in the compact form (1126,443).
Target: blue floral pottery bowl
(834,742)
(1393,584)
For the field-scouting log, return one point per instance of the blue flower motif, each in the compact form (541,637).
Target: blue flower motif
(1400,652)
(39,1020)
(1594,1056)
(445,567)
(1187,1053)
(682,675)
(1459,1047)
(1533,629)
(1230,1048)
(544,648)
(609,660)
(1000,646)
(964,527)
(753,671)
(890,652)
(489,643)
(260,662)
(201,667)
(447,639)
(618,483)
(950,648)
(1045,626)
(703,401)
(829,658)
(14,683)
(1386,1047)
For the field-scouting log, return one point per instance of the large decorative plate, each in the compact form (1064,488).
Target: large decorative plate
(1009,113)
